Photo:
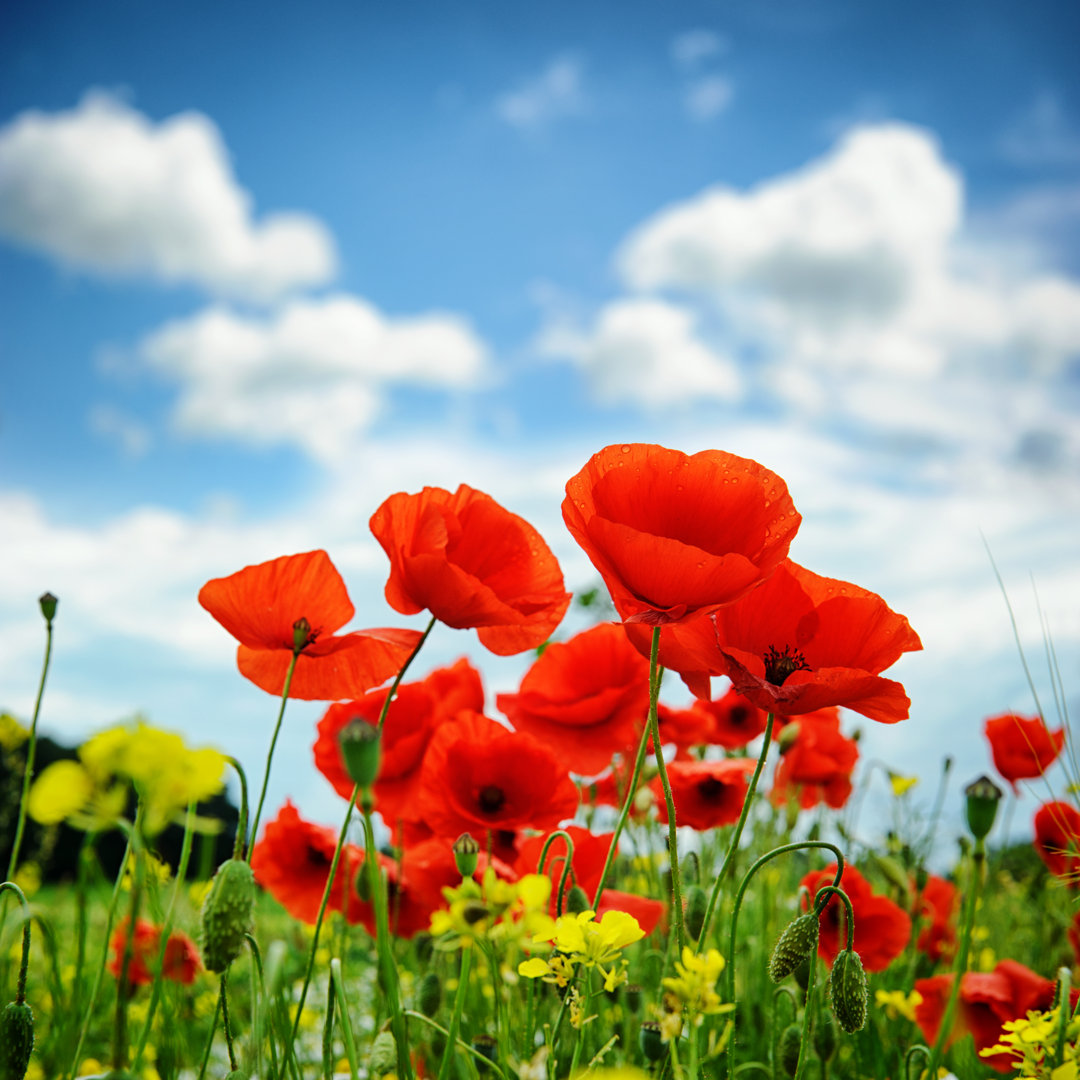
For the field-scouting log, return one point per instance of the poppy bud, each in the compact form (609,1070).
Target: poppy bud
(359,742)
(48,604)
(796,944)
(429,996)
(848,991)
(790,1044)
(362,884)
(691,869)
(466,854)
(383,1054)
(652,1043)
(983,797)
(824,1038)
(227,914)
(424,944)
(577,901)
(16,1040)
(789,733)
(696,905)
(488,1048)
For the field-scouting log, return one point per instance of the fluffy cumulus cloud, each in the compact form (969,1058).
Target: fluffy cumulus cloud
(104,188)
(313,374)
(555,93)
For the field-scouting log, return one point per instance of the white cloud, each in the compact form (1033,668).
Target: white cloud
(691,47)
(1042,135)
(131,436)
(104,188)
(709,96)
(555,93)
(646,352)
(312,374)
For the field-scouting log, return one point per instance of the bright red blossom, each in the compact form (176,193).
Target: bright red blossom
(181,963)
(673,534)
(585,699)
(261,607)
(987,1000)
(801,642)
(471,563)
(882,928)
(937,908)
(816,762)
(736,721)
(1023,747)
(706,794)
(1057,840)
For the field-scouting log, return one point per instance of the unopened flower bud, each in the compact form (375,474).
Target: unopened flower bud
(429,995)
(16,1040)
(362,883)
(696,905)
(691,868)
(301,634)
(48,604)
(359,742)
(651,1040)
(488,1048)
(383,1058)
(632,996)
(790,1044)
(228,913)
(466,854)
(796,944)
(824,1037)
(983,797)
(577,901)
(789,735)
(848,991)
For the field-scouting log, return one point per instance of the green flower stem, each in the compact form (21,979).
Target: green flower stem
(24,962)
(1064,988)
(225,1023)
(210,1040)
(288,1050)
(31,751)
(455,1016)
(655,676)
(736,836)
(123,982)
(270,752)
(918,1048)
(260,1007)
(242,820)
(81,918)
(328,1034)
(808,1005)
(166,929)
(88,1015)
(338,981)
(741,892)
(586,1005)
(563,835)
(462,1045)
(978,861)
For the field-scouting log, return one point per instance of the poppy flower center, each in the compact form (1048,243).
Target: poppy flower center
(491,799)
(303,635)
(739,715)
(316,858)
(710,789)
(779,665)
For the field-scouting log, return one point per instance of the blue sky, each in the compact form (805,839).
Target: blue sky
(264,266)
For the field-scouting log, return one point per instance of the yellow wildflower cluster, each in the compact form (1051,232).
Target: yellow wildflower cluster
(896,1003)
(12,733)
(92,792)
(695,986)
(584,940)
(494,910)
(1032,1041)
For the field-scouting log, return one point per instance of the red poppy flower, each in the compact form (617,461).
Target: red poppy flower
(471,563)
(706,794)
(609,789)
(987,1000)
(418,708)
(292,862)
(262,607)
(1057,840)
(182,962)
(882,929)
(1023,746)
(816,760)
(688,647)
(801,642)
(590,854)
(478,775)
(683,728)
(586,699)
(736,721)
(673,534)
(430,866)
(937,903)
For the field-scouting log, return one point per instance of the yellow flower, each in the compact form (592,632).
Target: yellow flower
(695,986)
(897,1003)
(500,911)
(594,942)
(28,877)
(60,790)
(901,785)
(12,733)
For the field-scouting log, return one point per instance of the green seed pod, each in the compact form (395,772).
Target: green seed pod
(632,996)
(652,1043)
(424,944)
(466,854)
(577,901)
(825,1038)
(383,1054)
(790,1044)
(696,904)
(48,604)
(848,991)
(691,869)
(228,914)
(359,744)
(16,1040)
(429,995)
(796,944)
(362,883)
(982,798)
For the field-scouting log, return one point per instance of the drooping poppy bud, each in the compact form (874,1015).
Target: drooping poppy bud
(790,1044)
(982,797)
(848,991)
(466,854)
(359,743)
(429,996)
(797,943)
(697,904)
(577,900)
(228,914)
(16,1040)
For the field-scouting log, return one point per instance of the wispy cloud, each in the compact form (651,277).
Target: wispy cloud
(691,47)
(1042,135)
(555,93)
(709,96)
